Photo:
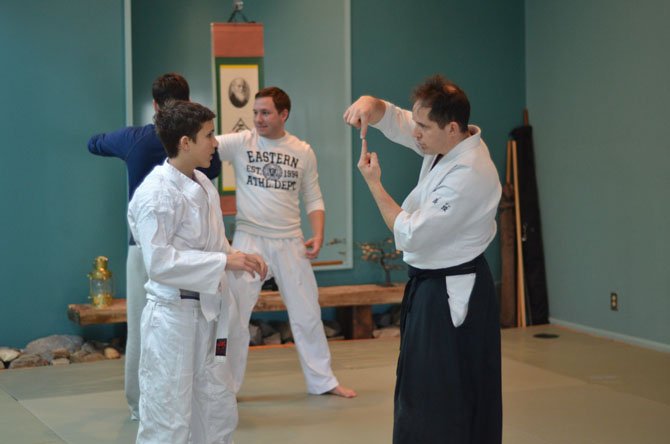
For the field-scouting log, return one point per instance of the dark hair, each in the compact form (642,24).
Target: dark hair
(279,98)
(447,102)
(170,86)
(177,119)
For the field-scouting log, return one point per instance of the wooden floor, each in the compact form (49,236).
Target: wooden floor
(573,389)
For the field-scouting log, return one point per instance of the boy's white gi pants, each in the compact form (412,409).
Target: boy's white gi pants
(186,397)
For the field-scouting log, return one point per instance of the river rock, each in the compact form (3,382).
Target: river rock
(111,353)
(273,339)
(46,346)
(60,353)
(336,338)
(81,356)
(266,328)
(8,354)
(382,320)
(255,335)
(28,360)
(395,314)
(284,329)
(388,332)
(93,346)
(332,328)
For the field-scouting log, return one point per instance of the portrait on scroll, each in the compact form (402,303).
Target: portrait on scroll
(237,84)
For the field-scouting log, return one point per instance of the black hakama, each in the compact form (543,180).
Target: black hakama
(448,387)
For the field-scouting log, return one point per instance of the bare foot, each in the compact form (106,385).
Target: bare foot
(343,392)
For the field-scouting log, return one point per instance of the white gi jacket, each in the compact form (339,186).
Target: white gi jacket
(449,217)
(179,227)
(271,175)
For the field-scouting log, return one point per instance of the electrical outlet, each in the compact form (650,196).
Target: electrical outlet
(614,302)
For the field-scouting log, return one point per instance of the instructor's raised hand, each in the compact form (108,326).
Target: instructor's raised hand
(368,165)
(367,110)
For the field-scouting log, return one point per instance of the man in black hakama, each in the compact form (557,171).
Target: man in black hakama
(448,387)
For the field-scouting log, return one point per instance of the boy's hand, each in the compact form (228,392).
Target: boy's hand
(251,263)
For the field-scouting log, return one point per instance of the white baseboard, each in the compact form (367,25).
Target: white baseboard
(646,343)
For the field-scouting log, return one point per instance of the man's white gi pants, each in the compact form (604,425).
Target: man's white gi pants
(186,397)
(293,273)
(136,298)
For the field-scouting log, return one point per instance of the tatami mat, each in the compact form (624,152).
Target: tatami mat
(573,389)
(89,418)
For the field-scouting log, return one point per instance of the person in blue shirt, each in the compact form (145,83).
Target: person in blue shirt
(140,148)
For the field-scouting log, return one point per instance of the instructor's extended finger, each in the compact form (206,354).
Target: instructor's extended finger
(364,153)
(364,125)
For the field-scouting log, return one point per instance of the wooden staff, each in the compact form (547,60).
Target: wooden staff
(507,246)
(508,167)
(520,279)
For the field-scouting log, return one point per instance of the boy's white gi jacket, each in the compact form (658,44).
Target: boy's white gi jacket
(178,226)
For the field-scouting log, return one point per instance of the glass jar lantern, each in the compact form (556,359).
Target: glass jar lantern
(101,285)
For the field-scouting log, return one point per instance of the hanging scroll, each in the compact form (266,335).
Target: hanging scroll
(237,52)
(316,73)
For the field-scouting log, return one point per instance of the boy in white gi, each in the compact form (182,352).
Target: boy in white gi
(141,150)
(273,169)
(448,387)
(175,216)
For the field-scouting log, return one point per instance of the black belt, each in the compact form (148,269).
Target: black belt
(417,274)
(457,270)
(188,294)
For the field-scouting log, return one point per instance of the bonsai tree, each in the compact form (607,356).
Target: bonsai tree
(384,254)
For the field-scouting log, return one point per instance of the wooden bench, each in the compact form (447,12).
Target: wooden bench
(353,303)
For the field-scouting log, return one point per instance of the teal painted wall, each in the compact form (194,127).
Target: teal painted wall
(478,44)
(393,48)
(598,94)
(62,77)
(66,82)
(314,117)
(595,85)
